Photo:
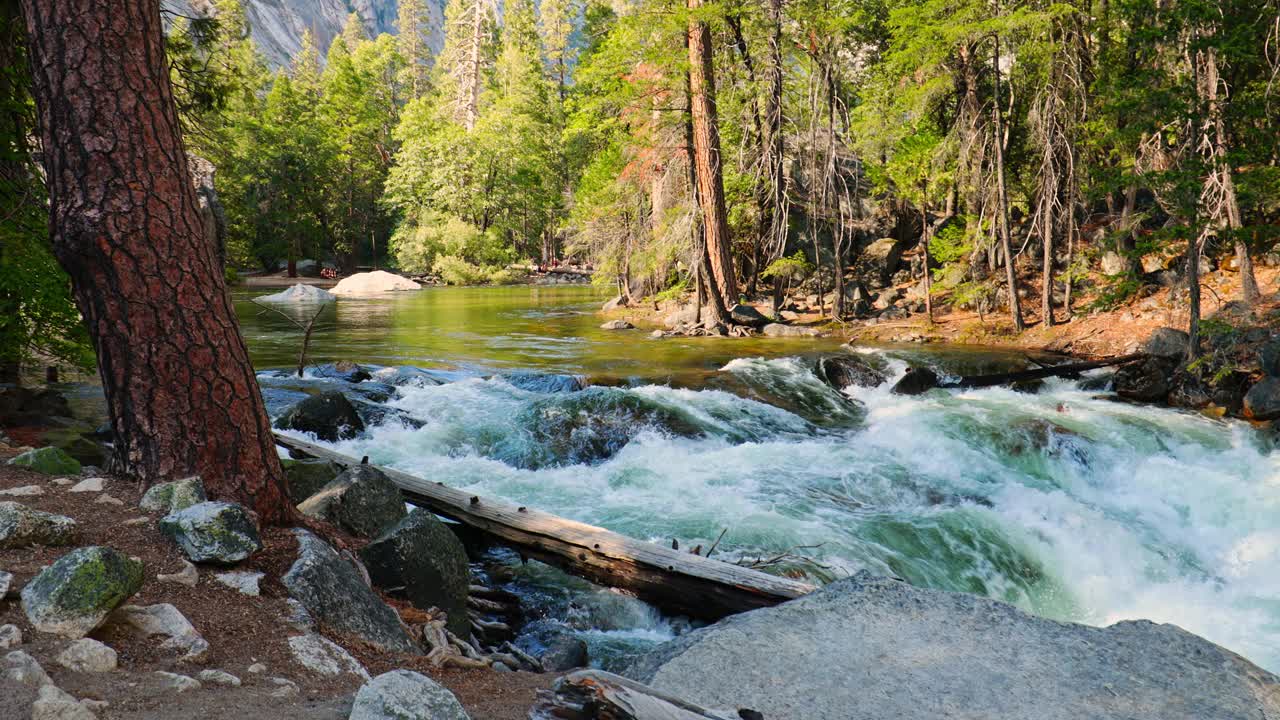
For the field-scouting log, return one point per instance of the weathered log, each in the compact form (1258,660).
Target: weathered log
(598,695)
(673,581)
(923,381)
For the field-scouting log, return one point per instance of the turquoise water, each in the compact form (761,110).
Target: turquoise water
(1063,502)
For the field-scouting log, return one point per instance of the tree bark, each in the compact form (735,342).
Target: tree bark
(706,156)
(1249,291)
(1006,245)
(180,389)
(775,182)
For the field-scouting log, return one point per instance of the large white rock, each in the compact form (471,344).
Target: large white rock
(320,655)
(23,669)
(373,283)
(88,655)
(301,294)
(164,619)
(405,695)
(93,484)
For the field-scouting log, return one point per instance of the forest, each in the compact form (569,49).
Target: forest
(761,145)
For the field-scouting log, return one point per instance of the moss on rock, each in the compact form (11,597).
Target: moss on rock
(47,461)
(75,594)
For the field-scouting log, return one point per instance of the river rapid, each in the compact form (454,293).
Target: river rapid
(1056,498)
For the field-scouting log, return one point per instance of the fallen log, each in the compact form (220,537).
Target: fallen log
(919,380)
(675,582)
(598,695)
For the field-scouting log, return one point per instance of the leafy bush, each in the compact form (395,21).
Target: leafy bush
(793,267)
(453,270)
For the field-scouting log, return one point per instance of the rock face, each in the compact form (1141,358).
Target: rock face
(1262,402)
(335,594)
(842,371)
(362,500)
(879,260)
(405,695)
(305,477)
(21,526)
(423,556)
(870,648)
(373,283)
(1146,381)
(329,416)
(47,461)
(75,594)
(300,294)
(170,497)
(215,532)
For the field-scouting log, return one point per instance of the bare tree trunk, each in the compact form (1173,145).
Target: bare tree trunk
(775,182)
(180,389)
(1006,244)
(926,236)
(471,99)
(1249,291)
(706,156)
(1193,298)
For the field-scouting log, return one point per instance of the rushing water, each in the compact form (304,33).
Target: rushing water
(1061,501)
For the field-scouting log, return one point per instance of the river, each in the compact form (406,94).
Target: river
(1058,500)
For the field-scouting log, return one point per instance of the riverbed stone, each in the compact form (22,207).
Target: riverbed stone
(21,668)
(335,595)
(1262,402)
(75,594)
(170,497)
(53,703)
(304,478)
(783,330)
(243,581)
(405,695)
(88,656)
(916,381)
(1145,381)
(362,500)
(213,532)
(1269,357)
(545,382)
(422,555)
(165,620)
(187,576)
(747,315)
(93,484)
(842,371)
(10,636)
(23,491)
(47,461)
(867,648)
(325,657)
(176,682)
(616,325)
(218,677)
(344,370)
(329,416)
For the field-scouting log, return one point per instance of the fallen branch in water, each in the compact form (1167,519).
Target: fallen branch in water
(305,328)
(919,380)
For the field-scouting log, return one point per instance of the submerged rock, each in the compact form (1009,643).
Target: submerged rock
(424,558)
(867,648)
(1262,402)
(335,595)
(21,526)
(75,594)
(842,371)
(362,500)
(616,325)
(47,461)
(405,695)
(1146,381)
(329,416)
(546,382)
(916,381)
(170,497)
(344,370)
(216,532)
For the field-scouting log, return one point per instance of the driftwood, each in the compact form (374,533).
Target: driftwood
(598,695)
(919,380)
(676,582)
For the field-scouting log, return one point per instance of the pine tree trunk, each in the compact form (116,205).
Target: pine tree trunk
(775,182)
(706,156)
(1006,244)
(1249,291)
(1193,298)
(180,390)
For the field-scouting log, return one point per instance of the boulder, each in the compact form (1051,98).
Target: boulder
(868,648)
(614,304)
(82,449)
(75,594)
(6,584)
(335,594)
(10,636)
(747,315)
(362,500)
(1145,381)
(47,461)
(329,416)
(23,491)
(781,330)
(565,652)
(546,382)
(405,695)
(22,406)
(878,261)
(21,668)
(246,583)
(916,381)
(1262,402)
(1114,264)
(88,656)
(842,371)
(344,370)
(617,325)
(164,619)
(304,478)
(93,485)
(170,497)
(300,294)
(218,677)
(423,556)
(187,576)
(321,655)
(177,683)
(1269,357)
(53,703)
(1167,342)
(682,316)
(214,532)
(373,283)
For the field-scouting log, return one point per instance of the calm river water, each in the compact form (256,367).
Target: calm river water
(1063,502)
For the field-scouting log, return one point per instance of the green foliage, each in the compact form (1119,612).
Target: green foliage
(952,243)
(793,268)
